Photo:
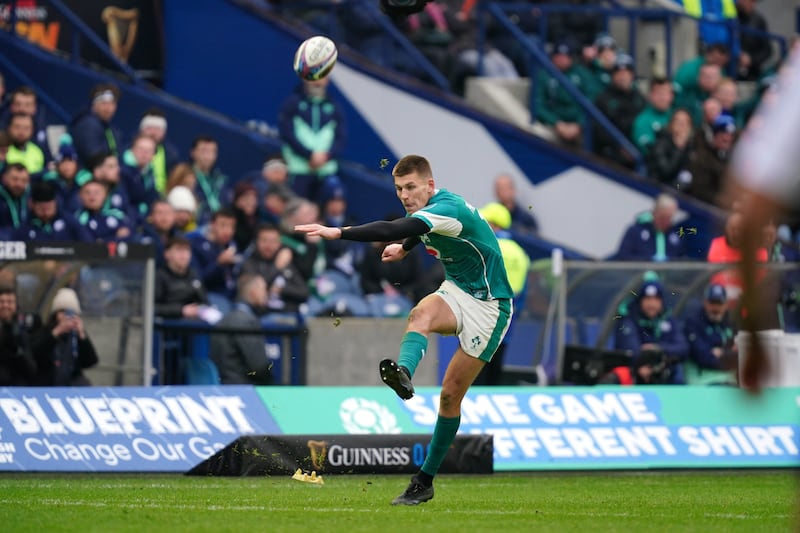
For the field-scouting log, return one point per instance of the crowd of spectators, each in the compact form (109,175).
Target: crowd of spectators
(228,244)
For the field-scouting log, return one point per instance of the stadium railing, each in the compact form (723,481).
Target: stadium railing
(539,59)
(584,301)
(181,349)
(114,284)
(392,45)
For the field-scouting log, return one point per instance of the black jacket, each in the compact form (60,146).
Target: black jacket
(293,287)
(17,365)
(61,360)
(173,291)
(621,108)
(240,358)
(665,160)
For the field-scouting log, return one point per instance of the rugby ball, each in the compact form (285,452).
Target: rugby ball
(315,58)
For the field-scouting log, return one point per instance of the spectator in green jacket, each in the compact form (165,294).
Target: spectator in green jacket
(708,79)
(554,106)
(656,114)
(688,72)
(601,67)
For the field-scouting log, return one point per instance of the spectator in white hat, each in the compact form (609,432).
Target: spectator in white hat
(184,203)
(63,348)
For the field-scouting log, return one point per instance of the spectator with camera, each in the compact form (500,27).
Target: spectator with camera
(63,349)
(17,365)
(650,368)
(649,328)
(710,336)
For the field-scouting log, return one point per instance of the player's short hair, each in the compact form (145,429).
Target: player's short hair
(410,164)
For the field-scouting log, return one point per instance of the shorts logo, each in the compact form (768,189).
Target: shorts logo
(475,342)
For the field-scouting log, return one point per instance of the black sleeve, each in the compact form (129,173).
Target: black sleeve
(385,231)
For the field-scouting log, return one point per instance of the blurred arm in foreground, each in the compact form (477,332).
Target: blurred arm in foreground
(764,177)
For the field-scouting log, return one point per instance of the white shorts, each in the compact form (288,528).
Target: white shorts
(480,324)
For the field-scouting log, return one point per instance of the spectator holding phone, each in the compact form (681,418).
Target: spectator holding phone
(63,349)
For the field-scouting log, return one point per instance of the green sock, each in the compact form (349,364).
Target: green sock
(443,434)
(412,349)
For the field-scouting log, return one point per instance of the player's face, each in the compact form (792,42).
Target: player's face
(414,191)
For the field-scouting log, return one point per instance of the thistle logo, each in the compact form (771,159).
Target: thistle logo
(361,416)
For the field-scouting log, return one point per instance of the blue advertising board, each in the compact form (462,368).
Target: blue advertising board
(124,429)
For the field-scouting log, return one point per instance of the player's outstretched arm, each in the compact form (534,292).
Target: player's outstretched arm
(379,231)
(318,230)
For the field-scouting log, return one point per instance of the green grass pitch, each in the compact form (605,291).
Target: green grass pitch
(730,501)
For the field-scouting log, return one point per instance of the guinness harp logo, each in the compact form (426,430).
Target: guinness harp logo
(318,451)
(121,25)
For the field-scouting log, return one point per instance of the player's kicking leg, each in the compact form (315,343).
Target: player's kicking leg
(431,314)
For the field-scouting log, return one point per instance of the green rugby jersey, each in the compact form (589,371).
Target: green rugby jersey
(466,246)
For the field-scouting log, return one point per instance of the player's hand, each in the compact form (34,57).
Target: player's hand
(318,230)
(393,252)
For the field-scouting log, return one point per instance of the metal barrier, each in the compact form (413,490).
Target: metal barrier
(329,25)
(585,305)
(114,283)
(181,350)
